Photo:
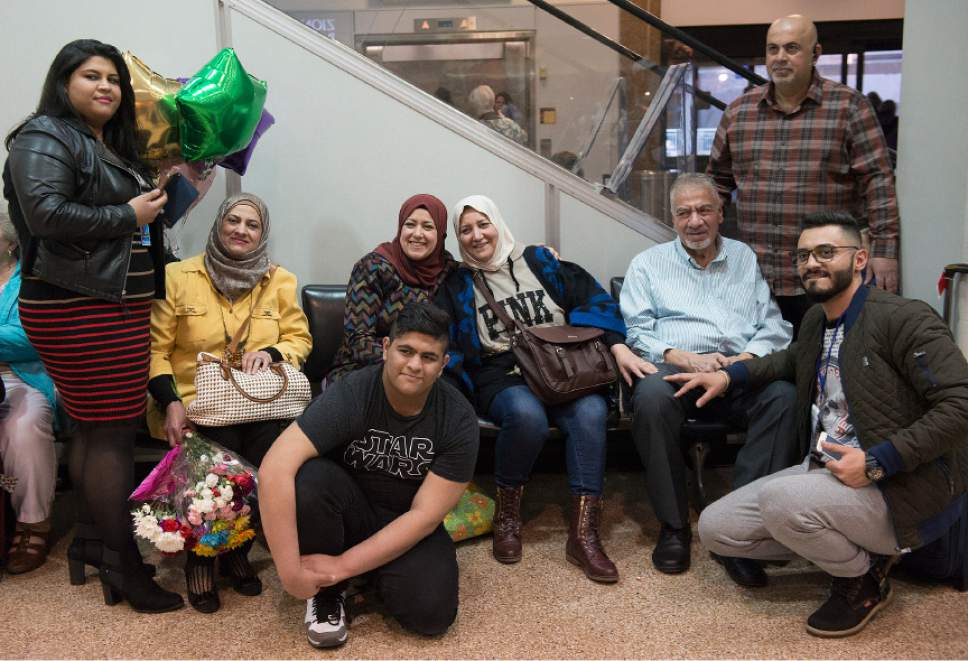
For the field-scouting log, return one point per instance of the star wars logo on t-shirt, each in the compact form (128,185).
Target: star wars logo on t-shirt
(381,452)
(527,308)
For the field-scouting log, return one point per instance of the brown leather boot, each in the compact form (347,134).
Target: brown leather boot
(584,546)
(506,544)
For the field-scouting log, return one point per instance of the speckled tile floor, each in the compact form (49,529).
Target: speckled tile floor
(542,607)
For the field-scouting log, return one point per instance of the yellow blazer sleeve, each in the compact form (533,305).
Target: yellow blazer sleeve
(164,325)
(295,341)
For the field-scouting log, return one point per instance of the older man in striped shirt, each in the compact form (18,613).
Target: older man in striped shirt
(697,304)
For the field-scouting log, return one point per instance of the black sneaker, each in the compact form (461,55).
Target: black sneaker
(326,620)
(852,604)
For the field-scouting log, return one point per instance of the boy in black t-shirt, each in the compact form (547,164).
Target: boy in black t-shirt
(361,483)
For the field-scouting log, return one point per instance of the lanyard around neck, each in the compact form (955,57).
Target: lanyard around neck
(822,375)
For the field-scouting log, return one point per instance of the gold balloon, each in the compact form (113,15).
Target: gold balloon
(155,112)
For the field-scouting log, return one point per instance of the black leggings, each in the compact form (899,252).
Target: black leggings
(250,441)
(101,466)
(333,514)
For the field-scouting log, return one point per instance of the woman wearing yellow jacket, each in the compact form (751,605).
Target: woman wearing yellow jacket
(207,299)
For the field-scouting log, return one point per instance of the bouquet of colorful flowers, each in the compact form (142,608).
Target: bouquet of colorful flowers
(196,499)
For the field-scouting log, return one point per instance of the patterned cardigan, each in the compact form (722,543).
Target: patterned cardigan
(375,296)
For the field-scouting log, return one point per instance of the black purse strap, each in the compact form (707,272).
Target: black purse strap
(509,322)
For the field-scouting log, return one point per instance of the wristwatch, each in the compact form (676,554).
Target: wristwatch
(873,469)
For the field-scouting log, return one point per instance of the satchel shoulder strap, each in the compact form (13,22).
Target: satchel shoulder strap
(509,322)
(239,334)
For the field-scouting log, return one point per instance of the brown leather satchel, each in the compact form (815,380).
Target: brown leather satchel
(559,363)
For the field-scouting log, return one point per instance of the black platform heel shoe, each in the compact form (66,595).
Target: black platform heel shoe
(85,549)
(235,565)
(124,577)
(200,580)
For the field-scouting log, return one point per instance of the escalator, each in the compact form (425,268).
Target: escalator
(367,122)
(579,94)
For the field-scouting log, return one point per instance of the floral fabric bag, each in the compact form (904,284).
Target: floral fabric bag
(196,499)
(472,516)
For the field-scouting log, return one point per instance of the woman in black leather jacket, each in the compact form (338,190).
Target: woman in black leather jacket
(84,208)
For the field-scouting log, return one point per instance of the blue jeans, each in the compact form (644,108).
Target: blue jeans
(523,420)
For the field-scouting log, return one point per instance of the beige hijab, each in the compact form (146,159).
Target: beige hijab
(235,277)
(506,246)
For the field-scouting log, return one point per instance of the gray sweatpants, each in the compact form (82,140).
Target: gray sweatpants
(801,511)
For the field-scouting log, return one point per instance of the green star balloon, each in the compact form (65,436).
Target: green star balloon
(219,108)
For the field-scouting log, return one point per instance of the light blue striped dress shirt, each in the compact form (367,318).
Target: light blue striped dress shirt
(670,303)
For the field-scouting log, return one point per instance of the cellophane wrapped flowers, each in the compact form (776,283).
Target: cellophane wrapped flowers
(196,499)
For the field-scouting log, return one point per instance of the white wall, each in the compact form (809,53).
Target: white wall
(961,310)
(604,254)
(341,157)
(932,169)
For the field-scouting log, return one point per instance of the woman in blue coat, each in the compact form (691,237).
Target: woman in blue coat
(26,420)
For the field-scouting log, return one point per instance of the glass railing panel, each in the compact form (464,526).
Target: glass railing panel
(662,146)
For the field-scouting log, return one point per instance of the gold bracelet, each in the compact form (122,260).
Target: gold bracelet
(729,381)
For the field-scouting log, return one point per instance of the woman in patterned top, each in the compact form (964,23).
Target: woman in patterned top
(395,274)
(92,261)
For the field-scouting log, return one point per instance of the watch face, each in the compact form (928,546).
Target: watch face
(875,474)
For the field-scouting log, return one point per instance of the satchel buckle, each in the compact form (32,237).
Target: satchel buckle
(565,363)
(233,358)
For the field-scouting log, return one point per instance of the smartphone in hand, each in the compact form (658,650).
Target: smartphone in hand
(824,452)
(181,195)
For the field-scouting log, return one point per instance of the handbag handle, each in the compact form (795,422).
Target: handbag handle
(237,338)
(275,367)
(228,375)
(509,323)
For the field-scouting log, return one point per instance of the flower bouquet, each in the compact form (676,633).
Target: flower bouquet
(196,499)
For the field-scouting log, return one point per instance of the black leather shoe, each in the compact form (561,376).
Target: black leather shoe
(743,571)
(671,554)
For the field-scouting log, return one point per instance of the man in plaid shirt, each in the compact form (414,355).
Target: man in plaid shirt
(798,145)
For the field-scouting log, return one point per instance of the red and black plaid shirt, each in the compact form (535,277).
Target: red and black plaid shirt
(829,153)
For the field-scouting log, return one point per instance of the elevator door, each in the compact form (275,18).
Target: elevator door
(450,65)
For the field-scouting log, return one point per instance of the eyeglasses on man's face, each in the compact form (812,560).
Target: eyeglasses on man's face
(822,253)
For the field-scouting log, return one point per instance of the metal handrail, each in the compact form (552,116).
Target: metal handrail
(952,275)
(689,40)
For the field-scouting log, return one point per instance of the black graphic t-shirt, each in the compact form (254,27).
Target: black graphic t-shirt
(390,454)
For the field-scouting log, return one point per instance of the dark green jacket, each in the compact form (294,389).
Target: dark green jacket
(906,384)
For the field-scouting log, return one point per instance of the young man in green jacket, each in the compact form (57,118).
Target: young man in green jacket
(882,420)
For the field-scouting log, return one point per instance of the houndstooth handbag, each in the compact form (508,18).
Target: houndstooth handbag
(225,395)
(228,396)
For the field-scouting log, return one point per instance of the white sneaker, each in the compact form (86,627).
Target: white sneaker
(326,620)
